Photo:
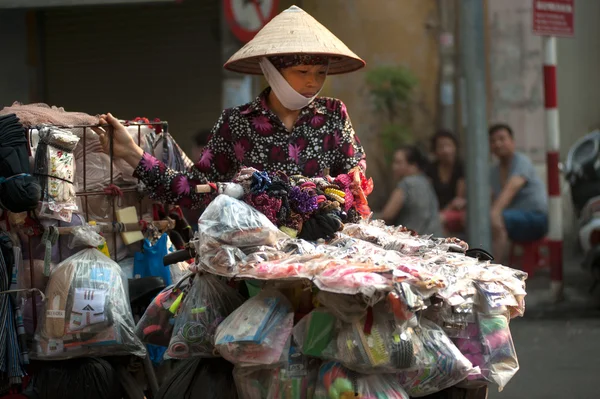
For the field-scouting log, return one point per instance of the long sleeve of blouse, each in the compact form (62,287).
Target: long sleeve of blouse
(251,135)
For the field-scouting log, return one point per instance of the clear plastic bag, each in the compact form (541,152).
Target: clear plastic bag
(316,333)
(205,306)
(296,379)
(87,312)
(440,364)
(258,331)
(217,258)
(233,222)
(375,344)
(156,325)
(337,382)
(347,308)
(471,347)
(500,357)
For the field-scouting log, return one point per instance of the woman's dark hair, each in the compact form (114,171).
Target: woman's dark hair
(443,133)
(414,156)
(202,137)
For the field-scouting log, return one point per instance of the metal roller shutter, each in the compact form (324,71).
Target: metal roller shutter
(161,60)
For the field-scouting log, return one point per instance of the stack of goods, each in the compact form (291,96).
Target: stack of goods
(367,310)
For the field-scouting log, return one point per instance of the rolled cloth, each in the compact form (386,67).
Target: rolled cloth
(19,191)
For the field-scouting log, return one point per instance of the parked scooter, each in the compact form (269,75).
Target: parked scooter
(582,171)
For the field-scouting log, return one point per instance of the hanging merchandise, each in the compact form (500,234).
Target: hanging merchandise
(206,305)
(295,378)
(13,358)
(19,191)
(440,364)
(87,310)
(167,150)
(55,169)
(500,362)
(337,382)
(258,332)
(156,325)
(47,250)
(199,378)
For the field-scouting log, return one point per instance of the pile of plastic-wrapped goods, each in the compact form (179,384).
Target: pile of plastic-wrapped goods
(365,310)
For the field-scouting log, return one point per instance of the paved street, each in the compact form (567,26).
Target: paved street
(558,345)
(558,358)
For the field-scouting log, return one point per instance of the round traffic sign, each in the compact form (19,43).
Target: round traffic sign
(247,17)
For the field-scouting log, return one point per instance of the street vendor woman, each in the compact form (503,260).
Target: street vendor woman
(286,128)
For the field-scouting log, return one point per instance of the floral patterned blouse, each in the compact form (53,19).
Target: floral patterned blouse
(251,135)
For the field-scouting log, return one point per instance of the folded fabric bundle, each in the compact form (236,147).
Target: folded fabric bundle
(19,191)
(40,113)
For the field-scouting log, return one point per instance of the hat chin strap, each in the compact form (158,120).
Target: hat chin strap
(285,93)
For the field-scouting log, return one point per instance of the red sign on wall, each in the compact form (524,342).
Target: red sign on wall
(554,17)
(247,17)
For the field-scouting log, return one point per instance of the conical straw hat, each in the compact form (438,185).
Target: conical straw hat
(294,31)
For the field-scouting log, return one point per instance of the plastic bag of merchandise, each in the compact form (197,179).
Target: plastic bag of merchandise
(233,222)
(316,333)
(375,344)
(439,362)
(337,382)
(199,378)
(85,378)
(156,325)
(87,312)
(217,258)
(494,297)
(258,332)
(205,306)
(347,308)
(500,358)
(294,379)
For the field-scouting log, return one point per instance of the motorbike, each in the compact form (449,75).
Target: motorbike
(582,172)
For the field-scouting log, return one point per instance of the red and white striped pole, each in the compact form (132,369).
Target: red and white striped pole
(555,230)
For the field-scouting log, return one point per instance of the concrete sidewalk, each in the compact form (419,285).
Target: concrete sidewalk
(578,302)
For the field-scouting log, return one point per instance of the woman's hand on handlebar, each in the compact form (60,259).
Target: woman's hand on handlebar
(123,145)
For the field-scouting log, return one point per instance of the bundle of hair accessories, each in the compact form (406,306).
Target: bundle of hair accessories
(308,208)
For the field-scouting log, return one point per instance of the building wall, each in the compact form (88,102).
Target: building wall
(579,75)
(15,83)
(395,32)
(516,83)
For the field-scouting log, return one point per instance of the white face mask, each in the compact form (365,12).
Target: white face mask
(285,93)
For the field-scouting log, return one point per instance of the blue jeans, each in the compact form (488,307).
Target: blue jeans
(525,226)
